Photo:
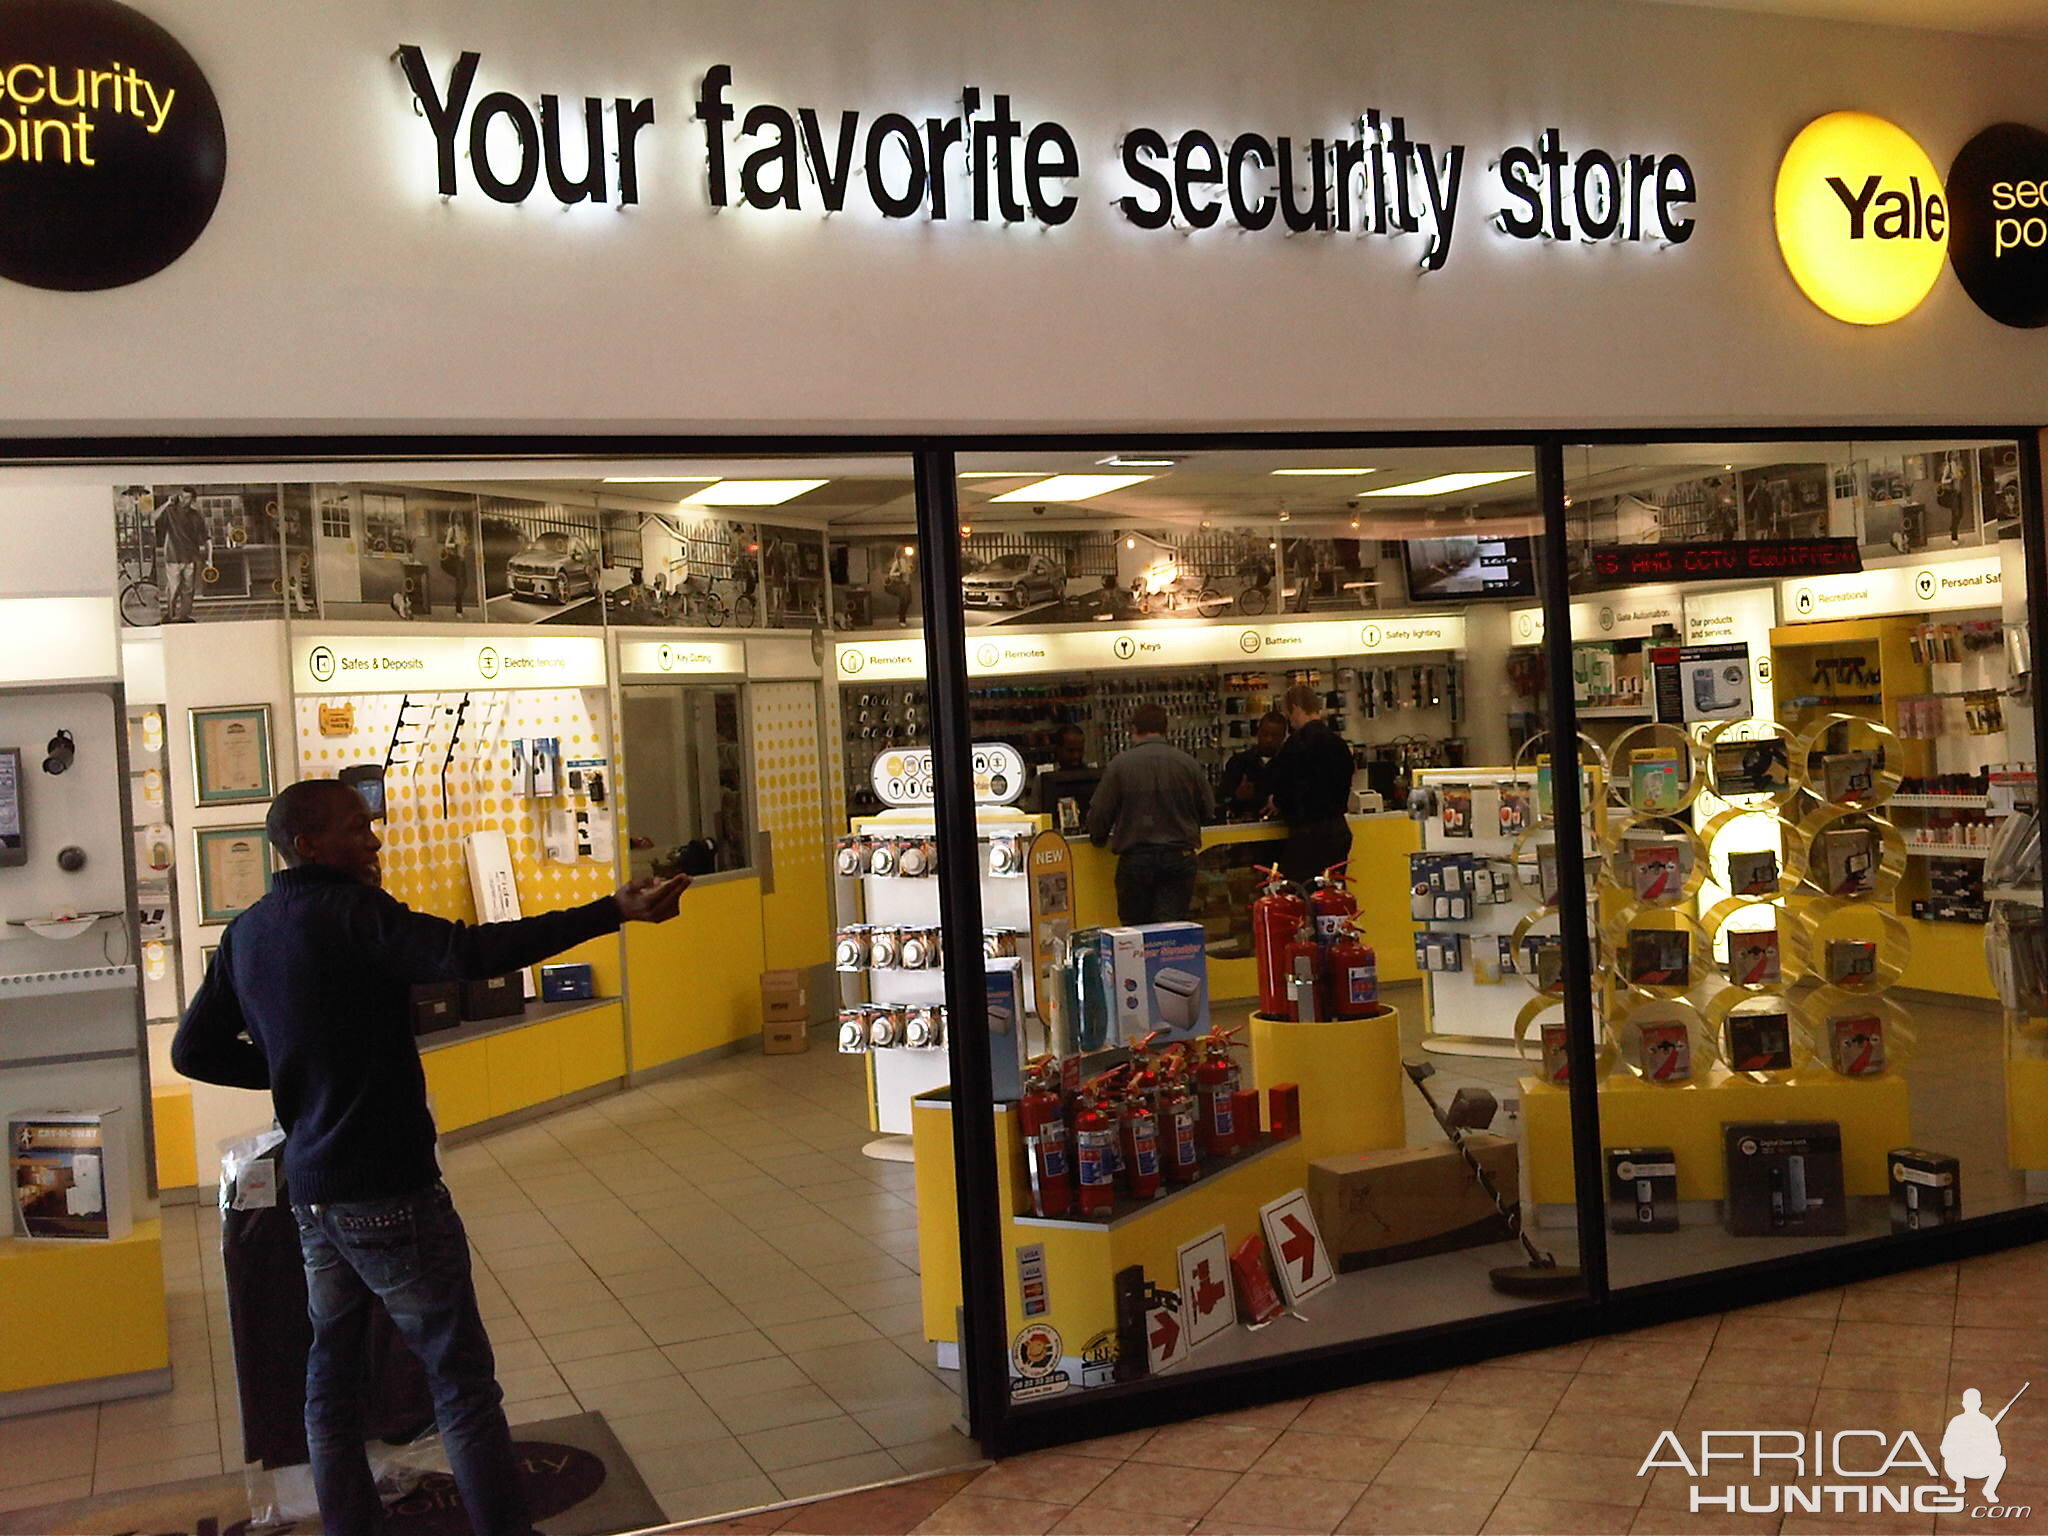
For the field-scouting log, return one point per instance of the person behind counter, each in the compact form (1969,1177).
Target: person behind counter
(1244,791)
(1149,809)
(1310,780)
(1069,777)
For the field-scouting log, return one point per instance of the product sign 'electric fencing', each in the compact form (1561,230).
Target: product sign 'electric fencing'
(990,161)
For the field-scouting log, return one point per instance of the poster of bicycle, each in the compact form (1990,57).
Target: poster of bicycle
(190,553)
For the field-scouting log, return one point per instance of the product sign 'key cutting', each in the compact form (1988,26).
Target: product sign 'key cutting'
(112,149)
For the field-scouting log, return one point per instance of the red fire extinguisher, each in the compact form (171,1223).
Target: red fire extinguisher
(1043,1117)
(1094,1155)
(1141,1077)
(1303,958)
(1351,977)
(1275,915)
(1140,1146)
(1332,904)
(1180,1130)
(1215,1081)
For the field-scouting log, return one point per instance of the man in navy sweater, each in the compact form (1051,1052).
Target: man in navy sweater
(317,976)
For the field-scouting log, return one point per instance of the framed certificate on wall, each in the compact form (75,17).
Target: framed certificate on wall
(231,755)
(234,870)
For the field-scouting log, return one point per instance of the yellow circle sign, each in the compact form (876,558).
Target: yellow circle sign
(1862,217)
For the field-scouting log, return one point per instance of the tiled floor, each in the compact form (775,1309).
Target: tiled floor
(709,1261)
(1550,1441)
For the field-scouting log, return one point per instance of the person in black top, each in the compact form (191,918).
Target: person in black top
(1244,791)
(1311,785)
(308,997)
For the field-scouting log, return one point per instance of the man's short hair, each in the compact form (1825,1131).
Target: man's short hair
(1303,698)
(1069,730)
(304,809)
(1275,717)
(1149,720)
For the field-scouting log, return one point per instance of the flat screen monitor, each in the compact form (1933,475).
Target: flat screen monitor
(1470,565)
(13,843)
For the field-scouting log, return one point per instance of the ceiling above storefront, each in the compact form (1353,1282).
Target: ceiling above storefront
(1990,18)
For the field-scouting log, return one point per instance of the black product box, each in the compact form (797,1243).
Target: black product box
(1784,1179)
(1927,1189)
(497,997)
(1759,1042)
(1642,1189)
(568,982)
(436,1005)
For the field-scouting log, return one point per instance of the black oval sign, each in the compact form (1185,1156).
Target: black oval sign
(112,150)
(1998,234)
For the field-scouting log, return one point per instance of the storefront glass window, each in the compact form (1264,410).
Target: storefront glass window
(1806,668)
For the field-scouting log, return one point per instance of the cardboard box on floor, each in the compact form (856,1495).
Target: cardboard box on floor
(786,996)
(1383,1207)
(785,1037)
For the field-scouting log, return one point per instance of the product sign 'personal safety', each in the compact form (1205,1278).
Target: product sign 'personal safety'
(112,149)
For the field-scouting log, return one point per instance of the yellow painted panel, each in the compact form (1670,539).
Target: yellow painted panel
(177,1156)
(1349,1074)
(695,983)
(48,1289)
(1872,1113)
(525,1068)
(1947,957)
(603,957)
(2026,1111)
(458,1078)
(591,1047)
(788,796)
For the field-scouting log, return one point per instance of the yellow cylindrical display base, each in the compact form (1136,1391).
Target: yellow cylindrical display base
(1349,1072)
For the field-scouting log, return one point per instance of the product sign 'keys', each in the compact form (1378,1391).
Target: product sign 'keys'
(112,149)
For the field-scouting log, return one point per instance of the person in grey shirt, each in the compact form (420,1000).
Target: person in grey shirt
(1149,809)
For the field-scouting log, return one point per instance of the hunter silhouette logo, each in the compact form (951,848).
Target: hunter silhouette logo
(1970,1447)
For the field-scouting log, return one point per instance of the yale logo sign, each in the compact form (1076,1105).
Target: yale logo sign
(1862,217)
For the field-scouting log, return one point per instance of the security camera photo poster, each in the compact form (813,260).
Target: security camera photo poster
(191,553)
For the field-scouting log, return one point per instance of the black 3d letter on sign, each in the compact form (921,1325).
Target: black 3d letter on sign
(1998,245)
(112,151)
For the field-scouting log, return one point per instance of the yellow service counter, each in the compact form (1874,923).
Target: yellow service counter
(501,1066)
(1380,845)
(1688,1119)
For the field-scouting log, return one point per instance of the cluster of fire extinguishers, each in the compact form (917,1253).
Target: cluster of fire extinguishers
(1160,1118)
(1314,962)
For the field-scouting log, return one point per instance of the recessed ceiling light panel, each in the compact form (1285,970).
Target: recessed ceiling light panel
(1446,485)
(1327,472)
(1070,487)
(750,493)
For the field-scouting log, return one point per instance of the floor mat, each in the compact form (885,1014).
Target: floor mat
(579,1482)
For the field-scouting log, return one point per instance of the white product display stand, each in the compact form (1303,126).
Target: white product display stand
(899,1074)
(1465,1017)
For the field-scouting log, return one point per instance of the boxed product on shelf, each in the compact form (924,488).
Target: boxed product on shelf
(1514,810)
(1751,767)
(1850,960)
(1387,1206)
(1759,1041)
(1845,860)
(1128,982)
(436,1005)
(1753,874)
(1654,782)
(1856,1044)
(494,997)
(1784,1178)
(1926,1189)
(567,981)
(1657,870)
(1660,957)
(70,1174)
(1556,1058)
(1753,959)
(1457,810)
(1664,1052)
(1642,1189)
(1847,776)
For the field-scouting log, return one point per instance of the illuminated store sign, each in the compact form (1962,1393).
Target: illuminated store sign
(682,657)
(993,652)
(1974,582)
(112,151)
(990,162)
(1998,189)
(438,663)
(1636,616)
(1861,217)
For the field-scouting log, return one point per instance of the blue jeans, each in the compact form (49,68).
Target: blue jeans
(412,1253)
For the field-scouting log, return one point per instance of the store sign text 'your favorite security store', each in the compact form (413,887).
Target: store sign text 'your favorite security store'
(985,164)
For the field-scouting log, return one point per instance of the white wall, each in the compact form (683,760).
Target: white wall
(335,288)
